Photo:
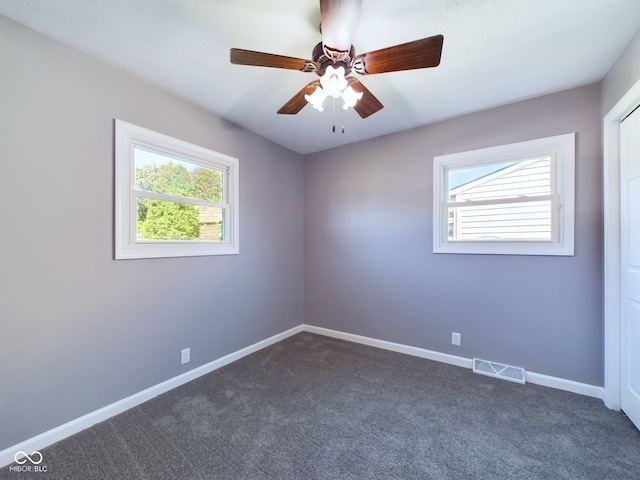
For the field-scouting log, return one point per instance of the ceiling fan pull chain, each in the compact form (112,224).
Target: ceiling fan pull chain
(334,115)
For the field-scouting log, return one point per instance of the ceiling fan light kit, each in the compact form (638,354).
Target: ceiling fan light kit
(333,60)
(333,84)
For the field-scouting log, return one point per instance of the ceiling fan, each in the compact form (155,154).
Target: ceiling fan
(334,58)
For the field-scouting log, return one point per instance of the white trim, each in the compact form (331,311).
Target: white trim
(128,138)
(394,347)
(564,384)
(74,426)
(561,148)
(611,167)
(531,377)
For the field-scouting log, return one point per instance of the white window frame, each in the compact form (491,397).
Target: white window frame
(128,138)
(562,150)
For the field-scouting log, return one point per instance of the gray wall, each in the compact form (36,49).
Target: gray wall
(370,270)
(80,330)
(622,76)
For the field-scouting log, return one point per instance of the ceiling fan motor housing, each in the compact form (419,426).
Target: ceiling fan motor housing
(323,60)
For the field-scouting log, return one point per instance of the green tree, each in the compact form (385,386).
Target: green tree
(208,184)
(170,221)
(163,220)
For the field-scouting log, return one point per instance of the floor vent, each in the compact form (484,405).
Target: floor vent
(498,370)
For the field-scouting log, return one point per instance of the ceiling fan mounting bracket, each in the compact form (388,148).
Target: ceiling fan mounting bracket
(359,66)
(309,66)
(335,54)
(322,60)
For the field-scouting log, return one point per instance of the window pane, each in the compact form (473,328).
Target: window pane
(162,220)
(503,180)
(512,221)
(161,174)
(211,224)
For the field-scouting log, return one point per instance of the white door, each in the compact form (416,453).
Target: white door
(630,264)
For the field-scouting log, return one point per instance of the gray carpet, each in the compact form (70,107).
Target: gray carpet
(313,407)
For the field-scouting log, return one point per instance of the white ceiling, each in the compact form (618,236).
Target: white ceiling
(495,52)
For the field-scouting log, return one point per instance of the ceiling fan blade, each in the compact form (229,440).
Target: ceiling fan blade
(423,53)
(338,20)
(298,102)
(239,56)
(368,104)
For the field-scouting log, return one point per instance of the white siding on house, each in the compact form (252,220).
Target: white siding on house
(509,220)
(211,223)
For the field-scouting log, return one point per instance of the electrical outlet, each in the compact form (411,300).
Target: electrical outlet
(185,356)
(455,338)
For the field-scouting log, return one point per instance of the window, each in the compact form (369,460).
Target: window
(513,199)
(172,198)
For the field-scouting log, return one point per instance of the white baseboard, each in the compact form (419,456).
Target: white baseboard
(564,384)
(74,426)
(394,347)
(531,377)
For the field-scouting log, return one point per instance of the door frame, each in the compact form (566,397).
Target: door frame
(612,271)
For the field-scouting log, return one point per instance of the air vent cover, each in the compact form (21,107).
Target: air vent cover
(498,370)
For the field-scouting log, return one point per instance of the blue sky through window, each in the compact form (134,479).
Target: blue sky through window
(144,158)
(461,176)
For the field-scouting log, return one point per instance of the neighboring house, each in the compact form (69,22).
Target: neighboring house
(210,223)
(504,204)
